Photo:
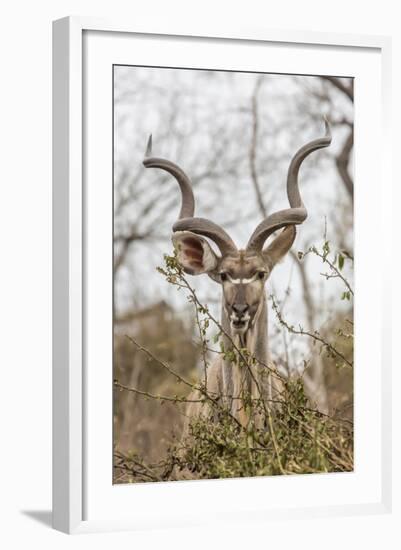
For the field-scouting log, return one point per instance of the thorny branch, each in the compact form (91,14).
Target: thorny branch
(336,272)
(314,335)
(271,439)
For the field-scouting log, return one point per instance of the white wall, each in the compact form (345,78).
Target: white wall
(25,260)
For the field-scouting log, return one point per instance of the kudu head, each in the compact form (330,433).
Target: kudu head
(242,273)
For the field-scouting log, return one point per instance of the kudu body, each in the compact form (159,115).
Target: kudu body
(242,275)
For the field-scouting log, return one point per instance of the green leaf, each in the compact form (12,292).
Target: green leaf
(340,261)
(326,248)
(346,295)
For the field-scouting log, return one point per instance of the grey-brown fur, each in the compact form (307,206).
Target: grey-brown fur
(227,378)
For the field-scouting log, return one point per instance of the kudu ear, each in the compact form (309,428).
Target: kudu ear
(280,246)
(194,253)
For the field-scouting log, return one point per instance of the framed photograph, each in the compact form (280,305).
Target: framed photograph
(219,268)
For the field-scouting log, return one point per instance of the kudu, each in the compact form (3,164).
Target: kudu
(242,275)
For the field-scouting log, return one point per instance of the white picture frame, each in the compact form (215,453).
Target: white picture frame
(74,479)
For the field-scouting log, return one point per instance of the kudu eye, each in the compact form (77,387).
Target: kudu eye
(261,275)
(223,276)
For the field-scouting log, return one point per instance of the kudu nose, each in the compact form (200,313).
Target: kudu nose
(240,309)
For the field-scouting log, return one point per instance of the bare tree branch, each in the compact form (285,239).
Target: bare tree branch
(342,163)
(347,90)
(253,147)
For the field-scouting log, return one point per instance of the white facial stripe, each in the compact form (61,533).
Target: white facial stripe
(242,281)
